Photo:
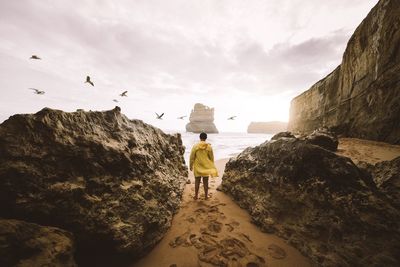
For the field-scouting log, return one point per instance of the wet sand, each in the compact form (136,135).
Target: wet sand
(203,230)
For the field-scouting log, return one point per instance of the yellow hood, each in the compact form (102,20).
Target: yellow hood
(203,145)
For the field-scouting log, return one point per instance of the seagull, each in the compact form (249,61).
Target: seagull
(37,91)
(34,57)
(89,81)
(124,93)
(181,117)
(159,117)
(232,118)
(115,100)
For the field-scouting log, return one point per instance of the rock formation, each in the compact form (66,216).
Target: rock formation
(361,97)
(319,201)
(282,135)
(201,120)
(114,183)
(28,244)
(386,175)
(323,138)
(269,127)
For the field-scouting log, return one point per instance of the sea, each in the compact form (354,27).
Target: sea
(225,145)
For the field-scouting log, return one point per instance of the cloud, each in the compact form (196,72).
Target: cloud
(183,51)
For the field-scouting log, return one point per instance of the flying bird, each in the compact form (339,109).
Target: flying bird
(37,91)
(115,100)
(159,117)
(232,118)
(124,93)
(89,81)
(34,57)
(181,117)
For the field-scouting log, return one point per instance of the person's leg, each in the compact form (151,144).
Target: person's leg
(205,184)
(196,186)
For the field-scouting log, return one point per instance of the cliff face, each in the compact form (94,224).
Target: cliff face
(361,97)
(112,182)
(269,127)
(201,120)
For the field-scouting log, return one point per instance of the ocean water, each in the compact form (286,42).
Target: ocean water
(225,145)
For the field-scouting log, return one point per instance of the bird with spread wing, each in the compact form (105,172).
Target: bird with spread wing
(89,81)
(159,117)
(34,57)
(37,91)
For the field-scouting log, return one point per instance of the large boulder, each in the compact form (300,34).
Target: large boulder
(114,183)
(25,244)
(319,201)
(360,98)
(201,120)
(323,138)
(282,135)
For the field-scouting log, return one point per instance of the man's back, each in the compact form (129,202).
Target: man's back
(202,160)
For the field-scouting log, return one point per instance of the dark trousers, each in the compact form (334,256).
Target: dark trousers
(197,185)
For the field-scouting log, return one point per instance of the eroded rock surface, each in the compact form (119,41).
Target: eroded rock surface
(386,175)
(361,97)
(25,244)
(114,183)
(323,138)
(282,135)
(201,120)
(319,201)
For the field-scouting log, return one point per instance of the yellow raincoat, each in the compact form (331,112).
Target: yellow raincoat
(202,160)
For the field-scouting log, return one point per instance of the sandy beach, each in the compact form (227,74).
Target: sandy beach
(365,150)
(225,228)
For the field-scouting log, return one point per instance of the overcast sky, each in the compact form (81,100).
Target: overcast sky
(245,58)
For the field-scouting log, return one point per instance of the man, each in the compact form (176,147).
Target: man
(202,164)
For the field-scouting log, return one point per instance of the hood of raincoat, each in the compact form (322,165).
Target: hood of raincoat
(203,145)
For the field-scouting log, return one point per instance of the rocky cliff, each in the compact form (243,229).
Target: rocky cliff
(112,182)
(269,127)
(322,203)
(361,97)
(201,120)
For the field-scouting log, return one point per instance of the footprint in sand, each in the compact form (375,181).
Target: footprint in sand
(232,225)
(228,252)
(184,240)
(215,201)
(216,204)
(214,226)
(245,236)
(205,231)
(229,227)
(276,252)
(191,220)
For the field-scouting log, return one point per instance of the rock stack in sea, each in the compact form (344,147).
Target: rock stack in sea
(322,203)
(201,120)
(268,127)
(111,184)
(361,97)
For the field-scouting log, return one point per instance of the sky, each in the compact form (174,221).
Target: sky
(245,58)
